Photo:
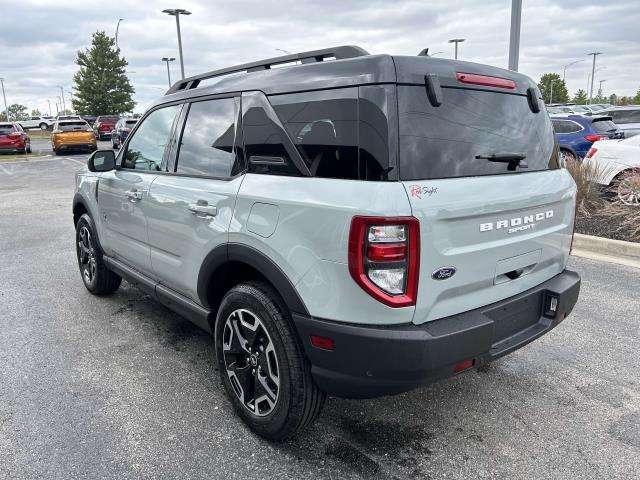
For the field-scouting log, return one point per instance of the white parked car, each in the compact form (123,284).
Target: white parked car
(615,160)
(40,122)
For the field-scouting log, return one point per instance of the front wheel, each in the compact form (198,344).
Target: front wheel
(97,278)
(43,126)
(262,366)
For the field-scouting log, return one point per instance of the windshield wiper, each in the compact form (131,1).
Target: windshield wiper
(514,160)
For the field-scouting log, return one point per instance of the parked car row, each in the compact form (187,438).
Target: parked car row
(576,133)
(13,138)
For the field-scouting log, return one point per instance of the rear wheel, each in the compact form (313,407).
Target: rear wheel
(566,156)
(43,126)
(627,189)
(262,366)
(97,278)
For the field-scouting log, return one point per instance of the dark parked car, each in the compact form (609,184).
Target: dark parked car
(14,139)
(576,133)
(121,131)
(103,126)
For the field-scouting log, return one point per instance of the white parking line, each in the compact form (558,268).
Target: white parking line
(74,160)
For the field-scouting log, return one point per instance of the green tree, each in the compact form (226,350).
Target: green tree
(17,111)
(101,84)
(35,112)
(560,93)
(636,100)
(580,98)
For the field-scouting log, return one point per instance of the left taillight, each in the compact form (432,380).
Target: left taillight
(384,258)
(592,151)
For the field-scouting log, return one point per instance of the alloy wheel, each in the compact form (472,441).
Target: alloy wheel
(86,255)
(629,191)
(251,362)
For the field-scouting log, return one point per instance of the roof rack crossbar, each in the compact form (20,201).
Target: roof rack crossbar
(339,53)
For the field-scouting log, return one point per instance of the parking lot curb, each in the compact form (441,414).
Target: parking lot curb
(608,250)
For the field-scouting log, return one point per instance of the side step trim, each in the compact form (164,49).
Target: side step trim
(180,304)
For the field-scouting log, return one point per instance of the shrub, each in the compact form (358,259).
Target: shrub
(586,176)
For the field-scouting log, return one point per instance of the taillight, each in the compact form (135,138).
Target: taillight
(595,138)
(592,151)
(384,258)
(485,80)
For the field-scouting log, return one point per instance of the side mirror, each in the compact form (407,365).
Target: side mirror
(102,161)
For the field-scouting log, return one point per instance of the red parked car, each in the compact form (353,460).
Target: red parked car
(103,126)
(13,139)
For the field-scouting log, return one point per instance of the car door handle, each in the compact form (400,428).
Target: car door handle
(203,209)
(133,195)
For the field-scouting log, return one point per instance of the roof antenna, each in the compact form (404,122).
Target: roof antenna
(424,52)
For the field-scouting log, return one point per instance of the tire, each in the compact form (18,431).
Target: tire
(626,190)
(43,126)
(57,152)
(566,156)
(97,278)
(29,148)
(254,329)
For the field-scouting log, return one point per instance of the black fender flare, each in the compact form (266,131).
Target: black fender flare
(236,252)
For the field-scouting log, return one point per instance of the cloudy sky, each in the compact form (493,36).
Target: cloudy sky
(39,39)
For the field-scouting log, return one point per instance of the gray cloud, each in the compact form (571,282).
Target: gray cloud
(40,39)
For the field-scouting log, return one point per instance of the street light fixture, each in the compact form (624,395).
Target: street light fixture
(457,41)
(564,67)
(117,28)
(176,12)
(167,60)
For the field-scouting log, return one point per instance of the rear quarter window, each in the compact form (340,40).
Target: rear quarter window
(443,141)
(604,126)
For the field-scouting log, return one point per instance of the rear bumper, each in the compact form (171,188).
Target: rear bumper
(371,361)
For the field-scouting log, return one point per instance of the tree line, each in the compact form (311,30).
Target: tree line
(554,90)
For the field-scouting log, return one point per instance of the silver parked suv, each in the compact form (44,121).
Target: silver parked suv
(347,224)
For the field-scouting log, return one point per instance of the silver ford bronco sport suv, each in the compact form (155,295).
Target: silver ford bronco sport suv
(347,224)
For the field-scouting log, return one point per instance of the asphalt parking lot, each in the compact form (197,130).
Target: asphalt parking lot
(120,387)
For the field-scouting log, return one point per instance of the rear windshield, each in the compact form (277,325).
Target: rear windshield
(443,142)
(604,126)
(108,119)
(6,129)
(70,126)
(625,116)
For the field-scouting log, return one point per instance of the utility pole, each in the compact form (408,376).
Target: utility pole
(167,60)
(117,28)
(176,12)
(593,71)
(514,36)
(64,105)
(6,109)
(564,68)
(456,41)
(50,113)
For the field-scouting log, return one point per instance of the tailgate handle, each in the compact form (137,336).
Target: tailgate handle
(513,274)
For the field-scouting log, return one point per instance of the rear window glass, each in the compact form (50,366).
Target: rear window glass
(625,116)
(6,129)
(443,142)
(108,119)
(604,126)
(566,126)
(70,126)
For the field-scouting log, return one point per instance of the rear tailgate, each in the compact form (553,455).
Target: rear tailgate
(488,230)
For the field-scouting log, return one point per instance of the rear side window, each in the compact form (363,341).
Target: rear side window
(443,142)
(324,128)
(566,126)
(208,139)
(604,126)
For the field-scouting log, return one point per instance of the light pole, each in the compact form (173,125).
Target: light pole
(176,12)
(71,94)
(49,112)
(6,109)
(117,28)
(514,36)
(551,90)
(64,105)
(434,54)
(167,60)
(456,41)
(593,71)
(589,77)
(564,68)
(600,88)
(283,51)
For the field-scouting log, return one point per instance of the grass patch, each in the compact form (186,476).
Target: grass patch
(39,134)
(21,156)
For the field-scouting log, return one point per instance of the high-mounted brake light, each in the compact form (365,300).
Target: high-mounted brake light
(595,138)
(384,258)
(592,151)
(485,80)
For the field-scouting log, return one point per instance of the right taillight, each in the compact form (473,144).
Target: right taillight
(595,138)
(384,258)
(592,151)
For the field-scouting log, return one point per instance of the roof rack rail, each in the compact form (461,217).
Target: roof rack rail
(339,53)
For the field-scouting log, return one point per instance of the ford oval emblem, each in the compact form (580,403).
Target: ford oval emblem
(443,273)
